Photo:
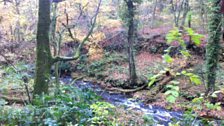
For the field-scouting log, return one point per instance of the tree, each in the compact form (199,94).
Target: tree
(131,31)
(212,48)
(178,8)
(44,58)
(154,13)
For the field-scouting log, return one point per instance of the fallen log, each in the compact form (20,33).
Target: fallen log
(12,100)
(169,76)
(128,90)
(151,37)
(161,81)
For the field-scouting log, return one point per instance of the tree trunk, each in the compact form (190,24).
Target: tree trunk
(131,39)
(56,45)
(212,48)
(17,31)
(154,14)
(44,59)
(43,54)
(186,9)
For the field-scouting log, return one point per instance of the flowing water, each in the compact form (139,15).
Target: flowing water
(161,116)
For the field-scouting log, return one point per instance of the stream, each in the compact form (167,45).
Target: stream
(162,117)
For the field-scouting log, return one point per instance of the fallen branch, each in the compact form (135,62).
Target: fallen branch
(151,37)
(78,51)
(9,62)
(128,90)
(114,36)
(168,77)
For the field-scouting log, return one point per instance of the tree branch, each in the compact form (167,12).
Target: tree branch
(78,51)
(59,58)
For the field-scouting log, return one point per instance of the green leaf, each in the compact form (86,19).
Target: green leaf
(218,108)
(171,99)
(168,92)
(170,86)
(175,94)
(197,39)
(168,58)
(173,35)
(178,74)
(152,81)
(176,88)
(198,100)
(185,53)
(196,79)
(190,31)
(184,72)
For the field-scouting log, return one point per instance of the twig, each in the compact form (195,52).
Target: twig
(78,51)
(8,62)
(24,78)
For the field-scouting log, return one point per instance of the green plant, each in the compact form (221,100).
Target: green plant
(96,68)
(176,36)
(193,77)
(174,124)
(148,120)
(154,78)
(173,92)
(13,77)
(70,106)
(197,103)
(103,113)
(216,106)
(189,118)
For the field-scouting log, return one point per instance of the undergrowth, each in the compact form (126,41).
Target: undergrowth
(71,107)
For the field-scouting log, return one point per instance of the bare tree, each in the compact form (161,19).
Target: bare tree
(179,10)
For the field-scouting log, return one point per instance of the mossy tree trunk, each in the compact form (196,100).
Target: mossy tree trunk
(131,39)
(43,54)
(44,59)
(212,48)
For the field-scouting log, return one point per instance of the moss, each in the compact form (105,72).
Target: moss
(43,54)
(213,45)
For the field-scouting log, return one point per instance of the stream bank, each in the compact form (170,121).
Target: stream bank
(161,116)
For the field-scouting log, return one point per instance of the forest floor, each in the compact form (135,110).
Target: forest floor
(111,69)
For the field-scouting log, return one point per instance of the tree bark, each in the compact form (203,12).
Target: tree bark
(186,9)
(44,59)
(212,48)
(154,14)
(43,54)
(131,39)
